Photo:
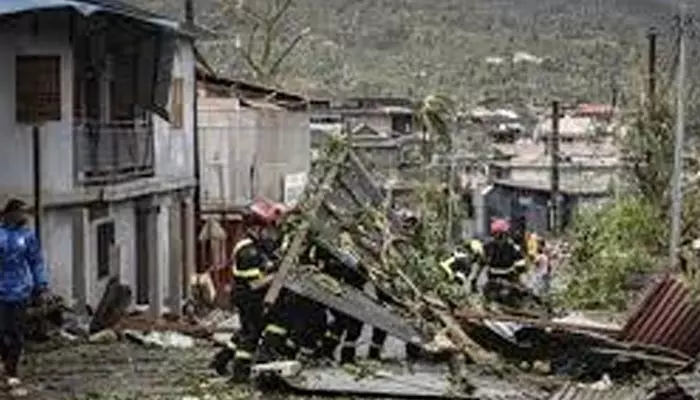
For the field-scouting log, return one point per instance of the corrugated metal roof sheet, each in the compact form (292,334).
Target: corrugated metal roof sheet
(578,392)
(666,317)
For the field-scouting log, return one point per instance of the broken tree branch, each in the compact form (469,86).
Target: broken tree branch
(299,240)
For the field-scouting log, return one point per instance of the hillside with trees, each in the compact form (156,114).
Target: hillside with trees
(581,49)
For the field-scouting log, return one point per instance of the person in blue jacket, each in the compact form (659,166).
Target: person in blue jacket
(23,274)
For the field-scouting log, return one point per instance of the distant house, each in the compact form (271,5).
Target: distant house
(391,116)
(501,125)
(512,199)
(571,129)
(255,141)
(110,89)
(599,112)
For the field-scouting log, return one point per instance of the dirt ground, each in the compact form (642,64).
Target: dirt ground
(125,371)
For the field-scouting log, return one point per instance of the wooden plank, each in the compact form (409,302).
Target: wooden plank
(291,256)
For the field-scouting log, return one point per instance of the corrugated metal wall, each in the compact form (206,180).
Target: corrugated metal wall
(283,148)
(247,152)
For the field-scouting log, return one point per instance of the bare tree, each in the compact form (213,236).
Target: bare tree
(266,46)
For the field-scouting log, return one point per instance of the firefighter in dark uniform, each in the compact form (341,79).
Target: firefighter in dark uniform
(250,263)
(503,259)
(458,267)
(342,327)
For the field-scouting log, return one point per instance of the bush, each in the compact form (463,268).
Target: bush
(610,245)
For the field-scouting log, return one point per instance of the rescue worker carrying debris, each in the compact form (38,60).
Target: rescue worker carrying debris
(458,267)
(251,262)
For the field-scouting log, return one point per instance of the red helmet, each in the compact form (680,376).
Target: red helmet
(499,225)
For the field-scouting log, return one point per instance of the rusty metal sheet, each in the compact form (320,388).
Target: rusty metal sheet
(573,391)
(667,317)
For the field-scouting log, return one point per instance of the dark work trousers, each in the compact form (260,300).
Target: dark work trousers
(12,316)
(309,325)
(342,324)
(277,341)
(378,335)
(250,312)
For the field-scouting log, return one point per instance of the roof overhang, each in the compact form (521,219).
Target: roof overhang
(88,8)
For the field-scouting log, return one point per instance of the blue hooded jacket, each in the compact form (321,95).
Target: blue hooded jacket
(22,268)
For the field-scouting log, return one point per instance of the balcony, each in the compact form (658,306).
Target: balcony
(113,152)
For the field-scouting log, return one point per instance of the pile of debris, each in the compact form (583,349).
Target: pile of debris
(518,354)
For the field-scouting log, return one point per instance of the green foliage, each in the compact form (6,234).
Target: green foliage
(610,245)
(650,146)
(433,117)
(413,47)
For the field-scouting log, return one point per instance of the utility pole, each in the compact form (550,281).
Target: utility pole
(197,200)
(651,36)
(554,173)
(676,190)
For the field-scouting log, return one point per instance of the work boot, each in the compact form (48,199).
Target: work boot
(241,372)
(221,361)
(327,349)
(413,352)
(347,355)
(375,353)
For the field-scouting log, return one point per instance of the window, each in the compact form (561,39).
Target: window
(105,247)
(177,112)
(38,89)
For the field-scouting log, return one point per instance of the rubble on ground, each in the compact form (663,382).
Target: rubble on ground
(491,353)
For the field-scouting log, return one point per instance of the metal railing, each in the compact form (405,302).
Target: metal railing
(115,151)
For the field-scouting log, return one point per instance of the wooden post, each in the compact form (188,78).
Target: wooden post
(652,65)
(36,158)
(554,177)
(155,296)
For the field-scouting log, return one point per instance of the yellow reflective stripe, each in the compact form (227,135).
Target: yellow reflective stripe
(349,344)
(520,263)
(306,351)
(290,343)
(240,245)
(285,243)
(250,273)
(447,267)
(243,355)
(330,335)
(275,330)
(477,247)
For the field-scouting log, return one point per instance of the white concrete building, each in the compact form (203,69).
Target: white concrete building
(100,80)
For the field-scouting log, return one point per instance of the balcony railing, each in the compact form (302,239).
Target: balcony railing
(113,152)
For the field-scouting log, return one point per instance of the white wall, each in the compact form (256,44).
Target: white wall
(57,232)
(174,147)
(57,137)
